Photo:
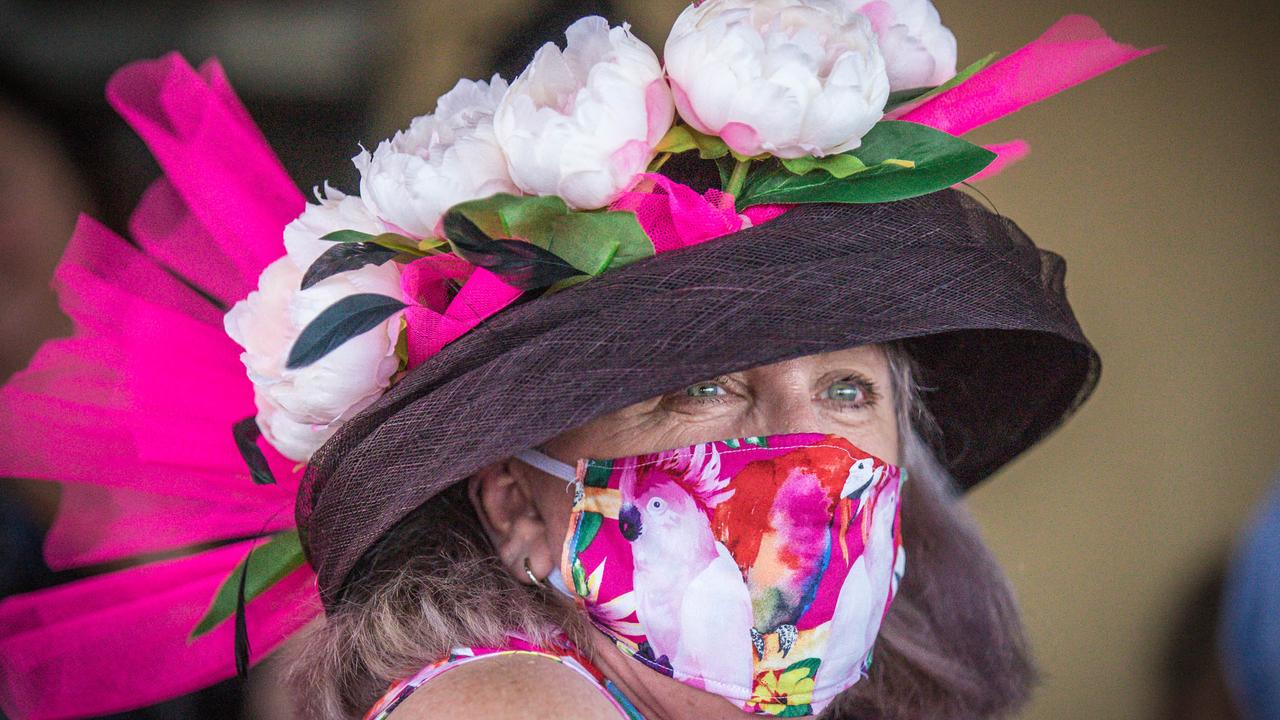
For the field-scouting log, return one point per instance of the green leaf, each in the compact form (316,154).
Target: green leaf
(809,665)
(710,147)
(388,240)
(588,527)
(246,433)
(402,344)
(566,283)
(682,138)
(591,242)
(579,579)
(677,140)
(349,317)
(598,472)
(271,562)
(574,236)
(903,160)
(919,95)
(522,215)
(796,711)
(347,236)
(520,264)
(839,166)
(725,166)
(343,257)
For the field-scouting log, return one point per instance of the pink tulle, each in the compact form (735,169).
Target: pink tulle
(760,214)
(1007,153)
(1070,52)
(98,524)
(215,158)
(426,281)
(674,215)
(118,641)
(429,329)
(163,228)
(133,414)
(145,393)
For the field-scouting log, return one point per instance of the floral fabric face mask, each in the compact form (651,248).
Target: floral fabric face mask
(758,569)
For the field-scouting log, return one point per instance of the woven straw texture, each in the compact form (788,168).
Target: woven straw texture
(981,308)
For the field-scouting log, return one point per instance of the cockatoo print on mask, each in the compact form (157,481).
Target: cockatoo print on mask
(691,600)
(758,569)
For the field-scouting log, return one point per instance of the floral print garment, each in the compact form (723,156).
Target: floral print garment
(799,534)
(516,645)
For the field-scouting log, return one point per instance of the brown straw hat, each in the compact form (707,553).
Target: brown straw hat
(982,310)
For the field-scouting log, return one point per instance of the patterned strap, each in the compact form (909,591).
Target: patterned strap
(401,689)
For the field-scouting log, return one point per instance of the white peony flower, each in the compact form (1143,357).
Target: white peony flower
(919,51)
(790,78)
(336,211)
(299,409)
(442,159)
(583,122)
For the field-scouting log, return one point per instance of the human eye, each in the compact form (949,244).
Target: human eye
(852,392)
(705,391)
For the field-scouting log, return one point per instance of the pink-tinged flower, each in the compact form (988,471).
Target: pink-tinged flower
(442,159)
(333,210)
(919,51)
(582,123)
(298,409)
(790,78)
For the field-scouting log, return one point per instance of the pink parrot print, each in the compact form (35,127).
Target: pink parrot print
(777,526)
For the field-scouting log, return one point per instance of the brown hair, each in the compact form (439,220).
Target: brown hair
(951,646)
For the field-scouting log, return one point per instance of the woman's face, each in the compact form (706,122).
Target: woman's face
(846,392)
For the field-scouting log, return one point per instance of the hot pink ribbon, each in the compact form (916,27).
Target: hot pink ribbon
(432,320)
(1070,52)
(674,215)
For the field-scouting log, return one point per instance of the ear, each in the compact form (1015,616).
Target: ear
(502,494)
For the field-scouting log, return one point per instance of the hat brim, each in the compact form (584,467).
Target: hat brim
(982,310)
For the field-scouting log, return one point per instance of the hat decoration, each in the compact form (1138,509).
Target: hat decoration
(504,193)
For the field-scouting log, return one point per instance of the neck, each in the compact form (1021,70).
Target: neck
(657,696)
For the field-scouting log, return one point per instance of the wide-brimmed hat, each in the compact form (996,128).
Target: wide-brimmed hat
(982,309)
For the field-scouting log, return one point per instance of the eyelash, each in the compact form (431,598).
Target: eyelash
(869,394)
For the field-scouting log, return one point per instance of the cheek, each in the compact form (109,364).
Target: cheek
(555,504)
(876,433)
(625,432)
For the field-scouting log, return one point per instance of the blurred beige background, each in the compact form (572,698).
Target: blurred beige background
(1158,182)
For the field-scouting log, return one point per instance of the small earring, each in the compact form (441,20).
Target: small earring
(529,572)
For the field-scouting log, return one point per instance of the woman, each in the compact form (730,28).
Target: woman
(454,573)
(635,388)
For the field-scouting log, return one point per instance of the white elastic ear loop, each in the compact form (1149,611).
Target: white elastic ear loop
(548,464)
(556,580)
